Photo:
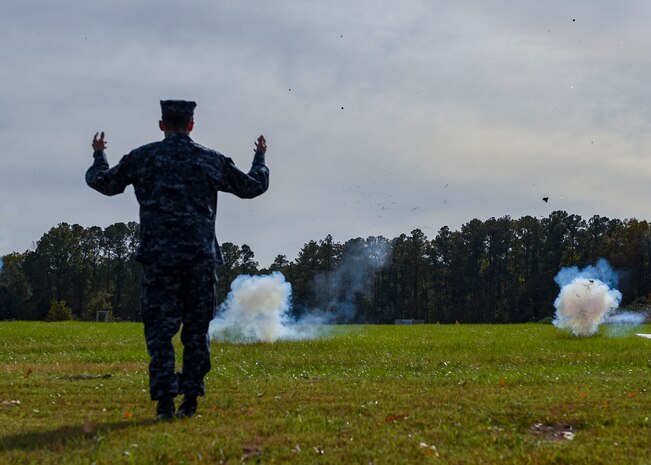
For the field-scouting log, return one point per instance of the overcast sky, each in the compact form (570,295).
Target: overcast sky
(380,116)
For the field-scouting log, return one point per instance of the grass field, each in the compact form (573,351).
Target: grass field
(458,394)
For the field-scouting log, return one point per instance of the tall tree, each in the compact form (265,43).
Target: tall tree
(53,266)
(280,263)
(247,263)
(117,250)
(498,274)
(15,292)
(528,245)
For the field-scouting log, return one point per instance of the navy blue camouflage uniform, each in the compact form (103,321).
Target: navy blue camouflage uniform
(176,182)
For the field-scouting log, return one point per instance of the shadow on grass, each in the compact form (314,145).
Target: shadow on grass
(59,437)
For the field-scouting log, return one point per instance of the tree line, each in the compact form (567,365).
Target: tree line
(496,271)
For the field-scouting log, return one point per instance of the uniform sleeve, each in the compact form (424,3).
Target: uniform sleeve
(246,185)
(109,181)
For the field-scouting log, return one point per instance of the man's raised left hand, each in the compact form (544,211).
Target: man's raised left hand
(99,144)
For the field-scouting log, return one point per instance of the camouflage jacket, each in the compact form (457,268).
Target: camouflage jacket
(176,182)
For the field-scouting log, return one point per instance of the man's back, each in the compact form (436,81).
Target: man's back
(176,182)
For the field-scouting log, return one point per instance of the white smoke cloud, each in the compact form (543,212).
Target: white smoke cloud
(625,318)
(623,323)
(258,309)
(588,298)
(582,305)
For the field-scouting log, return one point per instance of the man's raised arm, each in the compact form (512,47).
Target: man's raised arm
(253,183)
(108,181)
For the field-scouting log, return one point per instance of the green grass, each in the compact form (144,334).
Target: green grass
(362,394)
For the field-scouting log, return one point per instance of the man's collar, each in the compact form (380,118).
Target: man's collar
(177,134)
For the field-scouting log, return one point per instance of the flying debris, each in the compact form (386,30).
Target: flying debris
(545,199)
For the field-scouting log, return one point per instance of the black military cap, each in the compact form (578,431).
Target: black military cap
(177,107)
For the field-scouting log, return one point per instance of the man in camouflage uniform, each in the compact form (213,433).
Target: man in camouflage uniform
(176,182)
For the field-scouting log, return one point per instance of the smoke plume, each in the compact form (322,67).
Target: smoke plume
(258,309)
(338,291)
(587,297)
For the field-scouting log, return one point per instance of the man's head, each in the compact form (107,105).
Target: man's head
(177,116)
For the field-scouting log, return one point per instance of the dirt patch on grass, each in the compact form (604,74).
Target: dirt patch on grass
(555,432)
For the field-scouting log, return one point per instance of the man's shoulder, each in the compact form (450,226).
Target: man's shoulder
(206,150)
(171,145)
(150,147)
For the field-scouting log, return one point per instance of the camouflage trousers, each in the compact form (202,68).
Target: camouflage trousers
(175,297)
